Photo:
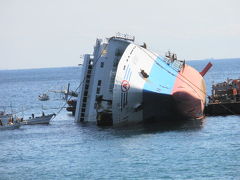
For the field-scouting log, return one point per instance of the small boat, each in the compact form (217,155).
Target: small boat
(44,119)
(43,97)
(7,122)
(10,126)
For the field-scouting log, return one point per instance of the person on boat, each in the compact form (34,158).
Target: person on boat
(10,120)
(32,115)
(43,114)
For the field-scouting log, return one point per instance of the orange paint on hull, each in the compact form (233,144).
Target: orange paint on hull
(189,93)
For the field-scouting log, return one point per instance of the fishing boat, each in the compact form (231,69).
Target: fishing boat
(123,83)
(44,119)
(43,97)
(8,122)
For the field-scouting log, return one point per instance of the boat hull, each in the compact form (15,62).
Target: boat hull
(159,108)
(148,88)
(189,93)
(10,126)
(38,120)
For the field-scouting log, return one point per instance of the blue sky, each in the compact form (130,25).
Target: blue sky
(55,33)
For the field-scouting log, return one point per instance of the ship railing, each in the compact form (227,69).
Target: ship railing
(125,37)
(178,64)
(175,64)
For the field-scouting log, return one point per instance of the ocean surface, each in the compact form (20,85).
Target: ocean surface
(207,149)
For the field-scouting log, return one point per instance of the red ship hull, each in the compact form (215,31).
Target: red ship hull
(189,93)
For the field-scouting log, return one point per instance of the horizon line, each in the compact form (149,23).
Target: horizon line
(28,68)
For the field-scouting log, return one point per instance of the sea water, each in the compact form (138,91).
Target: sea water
(207,149)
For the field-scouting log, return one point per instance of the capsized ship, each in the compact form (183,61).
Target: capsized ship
(123,83)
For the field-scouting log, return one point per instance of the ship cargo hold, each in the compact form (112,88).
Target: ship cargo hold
(124,83)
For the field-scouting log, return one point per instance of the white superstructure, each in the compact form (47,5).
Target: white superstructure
(97,78)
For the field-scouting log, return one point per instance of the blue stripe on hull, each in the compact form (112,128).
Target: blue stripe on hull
(161,78)
(158,102)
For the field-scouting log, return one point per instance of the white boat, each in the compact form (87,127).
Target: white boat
(43,97)
(44,119)
(8,122)
(123,83)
